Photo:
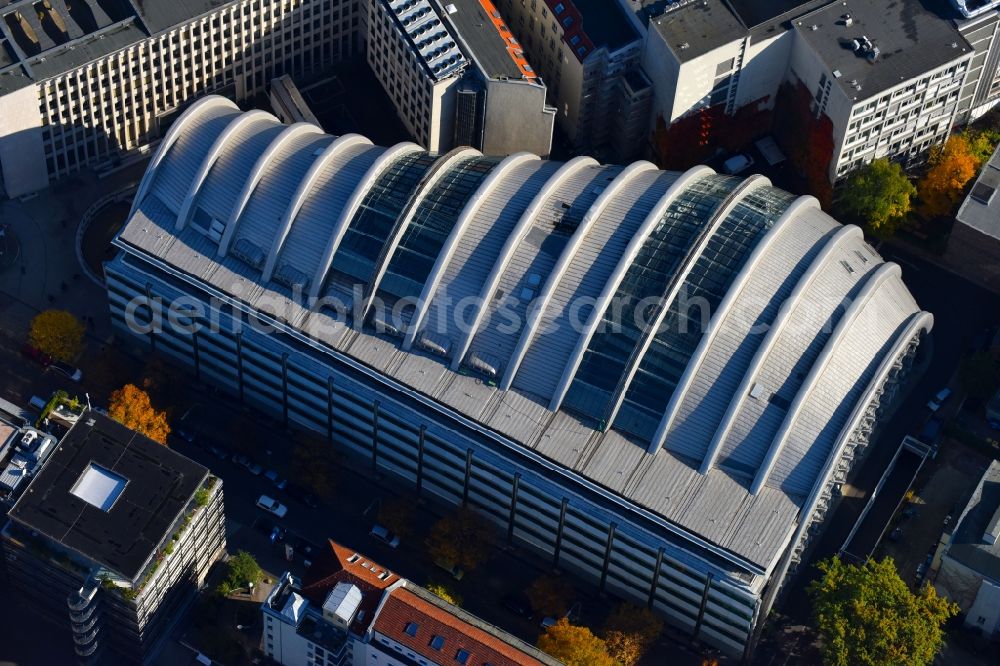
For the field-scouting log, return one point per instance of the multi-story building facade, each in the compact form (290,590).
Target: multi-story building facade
(114,537)
(726,57)
(588,51)
(458,77)
(419,310)
(89,83)
(980,26)
(352,611)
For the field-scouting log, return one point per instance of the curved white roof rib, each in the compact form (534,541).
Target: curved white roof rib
(516,236)
(539,311)
(707,233)
(648,224)
(331,151)
(433,175)
(189,117)
(256,174)
(767,400)
(774,331)
(471,206)
(786,220)
(875,281)
(383,162)
(214,152)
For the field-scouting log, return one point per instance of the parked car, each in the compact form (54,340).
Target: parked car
(36,355)
(253,467)
(302,495)
(240,459)
(453,570)
(517,604)
(384,535)
(573,615)
(939,399)
(74,374)
(277,535)
(272,506)
(187,435)
(218,450)
(273,477)
(737,164)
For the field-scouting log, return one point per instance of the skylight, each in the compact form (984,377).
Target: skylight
(99,487)
(437,642)
(462,657)
(411,628)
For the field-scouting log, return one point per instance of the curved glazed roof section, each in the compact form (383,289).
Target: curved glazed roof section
(764,322)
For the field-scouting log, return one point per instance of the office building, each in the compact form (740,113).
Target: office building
(458,77)
(351,610)
(588,53)
(974,242)
(864,80)
(970,564)
(113,538)
(574,348)
(91,83)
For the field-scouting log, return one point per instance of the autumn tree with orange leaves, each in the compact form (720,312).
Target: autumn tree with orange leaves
(630,631)
(131,407)
(951,168)
(575,646)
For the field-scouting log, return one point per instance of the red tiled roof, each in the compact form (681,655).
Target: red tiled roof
(403,607)
(339,564)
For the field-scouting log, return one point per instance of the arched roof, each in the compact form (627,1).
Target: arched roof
(764,322)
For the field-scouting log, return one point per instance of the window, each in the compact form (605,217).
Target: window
(462,656)
(568,21)
(558,9)
(437,642)
(411,628)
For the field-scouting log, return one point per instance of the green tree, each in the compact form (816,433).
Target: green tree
(464,538)
(574,646)
(242,570)
(446,592)
(630,631)
(878,196)
(866,615)
(979,375)
(57,333)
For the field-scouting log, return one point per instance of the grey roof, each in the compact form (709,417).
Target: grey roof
(490,46)
(757,402)
(93,29)
(912,40)
(967,545)
(981,208)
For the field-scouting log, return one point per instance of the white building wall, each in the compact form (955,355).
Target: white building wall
(236,49)
(21,138)
(765,67)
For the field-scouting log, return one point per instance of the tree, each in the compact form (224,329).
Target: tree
(57,333)
(131,407)
(877,195)
(952,167)
(243,571)
(630,631)
(867,615)
(464,538)
(314,466)
(982,143)
(397,515)
(979,374)
(574,646)
(550,595)
(446,592)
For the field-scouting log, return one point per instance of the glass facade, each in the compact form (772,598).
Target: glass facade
(648,277)
(432,222)
(689,314)
(378,214)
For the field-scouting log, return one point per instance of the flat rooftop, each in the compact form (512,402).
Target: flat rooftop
(912,39)
(967,544)
(109,493)
(488,39)
(36,44)
(981,208)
